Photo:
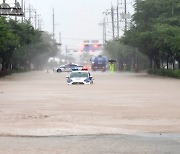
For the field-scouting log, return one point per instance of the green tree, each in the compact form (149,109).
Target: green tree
(22,46)
(155,31)
(8,43)
(128,58)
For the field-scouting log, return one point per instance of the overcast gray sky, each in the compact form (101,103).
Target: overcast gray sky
(76,20)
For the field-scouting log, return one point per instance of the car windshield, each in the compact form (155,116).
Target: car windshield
(71,65)
(79,74)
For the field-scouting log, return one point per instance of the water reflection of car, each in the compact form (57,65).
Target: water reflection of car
(67,68)
(80,77)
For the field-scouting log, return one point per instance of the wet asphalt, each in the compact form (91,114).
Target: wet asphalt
(40,114)
(93,144)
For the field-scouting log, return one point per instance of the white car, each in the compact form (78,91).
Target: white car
(80,77)
(67,68)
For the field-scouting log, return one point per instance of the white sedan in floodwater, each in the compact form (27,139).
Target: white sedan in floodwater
(67,68)
(80,77)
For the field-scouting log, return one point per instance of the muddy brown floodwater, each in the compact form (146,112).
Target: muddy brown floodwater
(40,104)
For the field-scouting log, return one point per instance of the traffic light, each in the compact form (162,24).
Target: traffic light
(96,46)
(91,45)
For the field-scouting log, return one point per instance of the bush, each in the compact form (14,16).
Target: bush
(22,69)
(8,72)
(165,72)
(4,73)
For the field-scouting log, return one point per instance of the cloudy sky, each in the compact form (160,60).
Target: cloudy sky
(76,20)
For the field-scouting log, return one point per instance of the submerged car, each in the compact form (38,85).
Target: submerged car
(67,68)
(80,77)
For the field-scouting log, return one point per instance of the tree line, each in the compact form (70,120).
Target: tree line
(22,47)
(127,58)
(154,32)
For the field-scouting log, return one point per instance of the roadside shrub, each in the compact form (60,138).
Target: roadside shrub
(22,69)
(165,72)
(4,73)
(19,70)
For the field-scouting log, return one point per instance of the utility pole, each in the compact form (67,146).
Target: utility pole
(22,6)
(125,12)
(104,30)
(66,53)
(39,22)
(24,16)
(35,19)
(53,26)
(112,17)
(117,18)
(30,12)
(16,11)
(60,38)
(60,43)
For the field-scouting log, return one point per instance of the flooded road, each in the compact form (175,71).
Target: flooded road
(38,109)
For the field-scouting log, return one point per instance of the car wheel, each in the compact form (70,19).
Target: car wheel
(59,70)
